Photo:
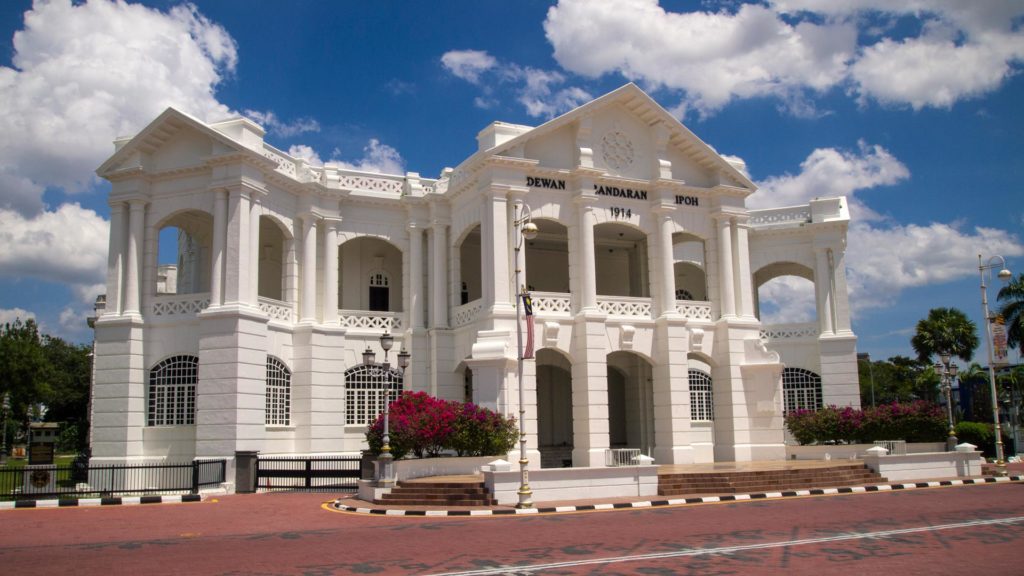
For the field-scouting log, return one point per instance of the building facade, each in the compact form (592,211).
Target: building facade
(643,274)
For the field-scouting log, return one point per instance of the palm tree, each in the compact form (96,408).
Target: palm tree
(1012,310)
(945,331)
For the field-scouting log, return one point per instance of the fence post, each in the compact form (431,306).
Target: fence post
(195,477)
(245,471)
(309,474)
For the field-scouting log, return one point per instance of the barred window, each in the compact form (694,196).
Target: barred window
(801,389)
(172,392)
(367,388)
(279,393)
(701,399)
(683,294)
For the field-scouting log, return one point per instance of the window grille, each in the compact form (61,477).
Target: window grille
(367,388)
(379,280)
(172,392)
(701,398)
(279,393)
(683,294)
(801,389)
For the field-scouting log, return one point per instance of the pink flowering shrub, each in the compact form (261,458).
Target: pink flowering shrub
(918,421)
(427,426)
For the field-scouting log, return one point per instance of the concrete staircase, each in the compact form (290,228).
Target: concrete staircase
(441,493)
(754,481)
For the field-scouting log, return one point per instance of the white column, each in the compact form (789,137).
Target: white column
(254,249)
(415,257)
(438,274)
(823,290)
(588,268)
(725,268)
(220,232)
(115,259)
(236,278)
(744,281)
(667,265)
(136,229)
(840,296)
(495,261)
(330,271)
(308,299)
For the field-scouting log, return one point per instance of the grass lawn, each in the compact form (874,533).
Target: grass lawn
(58,460)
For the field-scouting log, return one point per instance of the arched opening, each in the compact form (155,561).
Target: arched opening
(801,390)
(272,258)
(183,253)
(630,401)
(689,266)
(470,276)
(702,407)
(785,294)
(369,275)
(554,409)
(171,395)
(279,393)
(620,261)
(368,389)
(547,258)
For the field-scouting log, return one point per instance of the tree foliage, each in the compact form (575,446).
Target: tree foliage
(898,379)
(1011,298)
(945,330)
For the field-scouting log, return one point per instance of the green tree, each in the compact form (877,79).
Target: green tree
(945,330)
(1012,310)
(25,369)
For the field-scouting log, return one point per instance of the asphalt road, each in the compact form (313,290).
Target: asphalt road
(959,530)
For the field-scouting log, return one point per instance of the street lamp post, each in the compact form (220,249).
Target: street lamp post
(385,462)
(1004,274)
(525,230)
(947,373)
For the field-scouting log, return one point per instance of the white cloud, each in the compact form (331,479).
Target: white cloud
(73,322)
(68,246)
(9,315)
(787,299)
(83,74)
(273,124)
(468,64)
(540,100)
(306,153)
(377,157)
(712,57)
(828,172)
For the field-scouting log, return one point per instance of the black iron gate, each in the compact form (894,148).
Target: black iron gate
(307,474)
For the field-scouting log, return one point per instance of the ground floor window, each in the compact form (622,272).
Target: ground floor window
(279,393)
(801,389)
(701,399)
(172,392)
(367,390)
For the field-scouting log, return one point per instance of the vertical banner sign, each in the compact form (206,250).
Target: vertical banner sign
(528,309)
(1000,355)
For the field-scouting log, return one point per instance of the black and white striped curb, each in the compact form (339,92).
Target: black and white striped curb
(93,502)
(337,505)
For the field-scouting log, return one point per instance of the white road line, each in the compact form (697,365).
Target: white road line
(732,549)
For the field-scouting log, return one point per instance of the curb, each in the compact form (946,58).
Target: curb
(94,502)
(674,502)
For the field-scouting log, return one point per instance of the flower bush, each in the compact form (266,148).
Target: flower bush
(982,435)
(427,426)
(915,422)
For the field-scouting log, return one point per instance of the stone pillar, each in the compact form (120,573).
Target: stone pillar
(667,264)
(744,280)
(840,296)
(438,276)
(220,231)
(308,299)
(136,229)
(255,209)
(115,259)
(823,290)
(330,311)
(494,262)
(585,257)
(415,259)
(726,280)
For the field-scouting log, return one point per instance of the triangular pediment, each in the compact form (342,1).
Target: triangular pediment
(624,133)
(173,140)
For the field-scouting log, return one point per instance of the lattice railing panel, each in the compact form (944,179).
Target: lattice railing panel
(633,307)
(804,331)
(277,310)
(182,304)
(551,303)
(375,184)
(775,216)
(370,320)
(462,315)
(694,310)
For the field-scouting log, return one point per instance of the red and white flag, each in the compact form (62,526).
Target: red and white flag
(528,308)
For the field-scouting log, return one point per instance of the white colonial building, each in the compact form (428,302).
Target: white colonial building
(644,277)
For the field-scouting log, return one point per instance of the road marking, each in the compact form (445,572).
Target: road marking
(732,549)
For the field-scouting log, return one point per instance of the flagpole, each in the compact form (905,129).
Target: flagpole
(528,230)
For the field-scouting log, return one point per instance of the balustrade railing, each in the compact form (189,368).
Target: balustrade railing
(462,315)
(180,304)
(694,310)
(625,306)
(793,332)
(780,216)
(276,309)
(551,303)
(370,320)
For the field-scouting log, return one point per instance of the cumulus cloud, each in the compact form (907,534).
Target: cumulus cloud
(9,315)
(539,91)
(792,50)
(275,125)
(787,299)
(85,73)
(377,157)
(67,246)
(828,172)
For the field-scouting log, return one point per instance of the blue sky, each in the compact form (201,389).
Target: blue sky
(912,109)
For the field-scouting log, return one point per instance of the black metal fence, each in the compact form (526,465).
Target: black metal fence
(109,479)
(307,474)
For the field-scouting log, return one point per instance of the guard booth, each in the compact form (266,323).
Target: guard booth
(42,440)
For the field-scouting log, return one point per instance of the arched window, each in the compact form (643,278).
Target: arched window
(172,392)
(701,399)
(380,292)
(367,389)
(279,393)
(683,294)
(801,389)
